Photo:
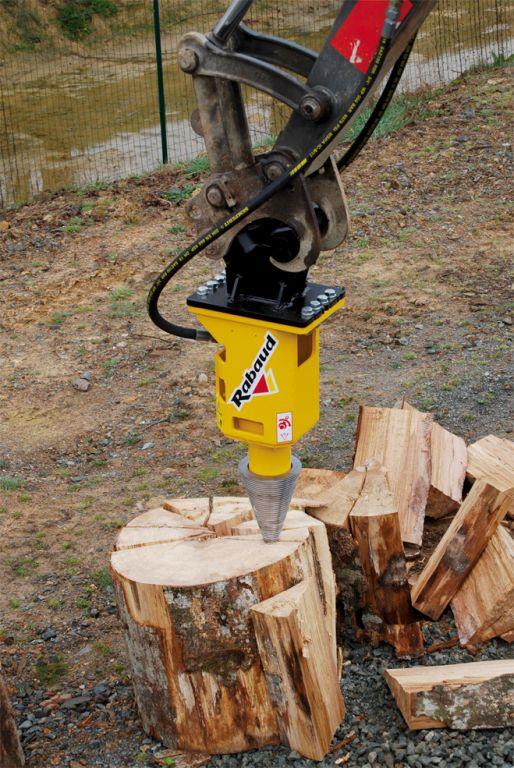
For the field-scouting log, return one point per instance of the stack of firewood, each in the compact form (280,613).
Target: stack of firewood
(233,642)
(407,467)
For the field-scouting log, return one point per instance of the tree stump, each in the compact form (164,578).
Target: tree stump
(210,673)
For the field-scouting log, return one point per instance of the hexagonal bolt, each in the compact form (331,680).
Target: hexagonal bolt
(274,170)
(330,293)
(315,305)
(211,284)
(202,290)
(323,299)
(188,60)
(215,196)
(312,107)
(307,313)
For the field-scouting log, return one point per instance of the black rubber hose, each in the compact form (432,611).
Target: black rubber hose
(271,189)
(378,110)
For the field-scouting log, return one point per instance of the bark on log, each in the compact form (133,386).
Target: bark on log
(492,459)
(376,528)
(484,606)
(11,753)
(460,696)
(332,506)
(295,524)
(300,669)
(460,547)
(186,609)
(375,525)
(448,460)
(400,441)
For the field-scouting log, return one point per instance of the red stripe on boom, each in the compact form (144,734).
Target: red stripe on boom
(358,36)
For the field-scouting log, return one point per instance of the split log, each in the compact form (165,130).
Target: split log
(400,441)
(227,512)
(186,607)
(460,696)
(460,547)
(336,501)
(376,528)
(11,753)
(448,461)
(197,510)
(375,525)
(311,485)
(295,525)
(484,605)
(300,669)
(492,459)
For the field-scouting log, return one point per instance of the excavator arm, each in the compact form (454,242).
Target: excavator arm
(269,215)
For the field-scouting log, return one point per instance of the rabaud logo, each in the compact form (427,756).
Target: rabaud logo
(256,379)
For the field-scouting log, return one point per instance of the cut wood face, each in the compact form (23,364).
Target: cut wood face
(492,459)
(484,605)
(312,484)
(192,563)
(335,502)
(448,460)
(460,547)
(400,441)
(197,510)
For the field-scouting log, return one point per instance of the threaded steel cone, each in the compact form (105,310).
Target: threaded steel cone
(270,497)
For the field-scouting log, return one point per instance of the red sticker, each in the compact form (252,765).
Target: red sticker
(358,36)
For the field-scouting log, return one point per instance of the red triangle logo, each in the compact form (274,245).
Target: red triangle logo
(261,388)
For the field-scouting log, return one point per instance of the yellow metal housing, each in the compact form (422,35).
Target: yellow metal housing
(267,384)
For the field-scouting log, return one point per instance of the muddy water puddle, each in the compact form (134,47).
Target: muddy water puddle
(88,116)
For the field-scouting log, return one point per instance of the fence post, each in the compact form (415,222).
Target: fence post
(160,80)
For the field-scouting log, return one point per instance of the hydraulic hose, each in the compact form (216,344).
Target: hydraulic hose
(378,110)
(271,189)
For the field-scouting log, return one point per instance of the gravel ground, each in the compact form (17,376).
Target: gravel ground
(101,416)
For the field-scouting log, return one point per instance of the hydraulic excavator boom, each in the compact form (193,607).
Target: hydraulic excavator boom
(269,215)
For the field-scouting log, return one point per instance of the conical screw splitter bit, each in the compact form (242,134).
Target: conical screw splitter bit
(270,497)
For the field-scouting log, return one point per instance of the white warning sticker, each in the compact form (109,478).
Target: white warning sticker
(284,427)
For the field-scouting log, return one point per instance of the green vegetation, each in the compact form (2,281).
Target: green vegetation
(177,194)
(9,483)
(102,578)
(75,16)
(73,226)
(50,672)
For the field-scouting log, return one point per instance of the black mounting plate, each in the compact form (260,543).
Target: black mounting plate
(218,300)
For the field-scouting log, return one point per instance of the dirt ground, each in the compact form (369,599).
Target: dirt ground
(429,317)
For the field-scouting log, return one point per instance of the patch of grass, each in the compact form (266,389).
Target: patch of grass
(75,16)
(57,318)
(102,578)
(176,229)
(14,603)
(83,603)
(120,293)
(196,166)
(144,382)
(23,498)
(122,309)
(23,566)
(208,473)
(102,648)
(110,363)
(9,483)
(51,672)
(409,356)
(132,437)
(73,226)
(178,194)
(54,603)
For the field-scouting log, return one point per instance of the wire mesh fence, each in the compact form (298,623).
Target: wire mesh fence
(78,79)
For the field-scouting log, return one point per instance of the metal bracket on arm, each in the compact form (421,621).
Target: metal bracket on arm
(281,53)
(199,56)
